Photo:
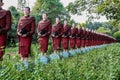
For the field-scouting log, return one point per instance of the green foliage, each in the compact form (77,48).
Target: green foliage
(51,7)
(93,26)
(103,7)
(99,64)
(117,35)
(37,17)
(15,18)
(21,4)
(102,27)
(71,22)
(103,30)
(79,6)
(12,38)
(109,8)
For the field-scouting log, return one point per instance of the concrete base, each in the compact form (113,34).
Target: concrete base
(54,56)
(44,59)
(72,52)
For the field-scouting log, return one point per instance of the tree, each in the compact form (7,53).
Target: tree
(52,7)
(12,33)
(93,25)
(110,8)
(103,30)
(117,35)
(21,4)
(71,22)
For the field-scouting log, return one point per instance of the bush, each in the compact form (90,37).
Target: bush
(98,64)
(117,35)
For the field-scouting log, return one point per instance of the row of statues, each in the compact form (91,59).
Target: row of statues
(63,35)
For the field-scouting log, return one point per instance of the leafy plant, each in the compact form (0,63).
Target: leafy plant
(98,64)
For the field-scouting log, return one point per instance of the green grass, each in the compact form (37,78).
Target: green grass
(98,64)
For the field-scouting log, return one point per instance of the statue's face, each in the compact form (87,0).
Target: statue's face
(73,25)
(44,16)
(65,22)
(26,11)
(57,20)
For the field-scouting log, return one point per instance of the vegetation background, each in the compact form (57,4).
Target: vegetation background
(55,8)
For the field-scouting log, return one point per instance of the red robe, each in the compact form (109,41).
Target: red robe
(93,39)
(82,38)
(43,40)
(27,23)
(73,31)
(87,39)
(78,38)
(57,28)
(96,39)
(65,39)
(5,26)
(90,38)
